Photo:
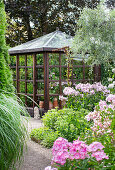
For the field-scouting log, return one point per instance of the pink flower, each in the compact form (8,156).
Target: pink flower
(103,105)
(62,98)
(78,150)
(95,146)
(111,98)
(69,91)
(99,155)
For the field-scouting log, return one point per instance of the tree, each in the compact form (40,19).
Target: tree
(95,35)
(6,82)
(29,19)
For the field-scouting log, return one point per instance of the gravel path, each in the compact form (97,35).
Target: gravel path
(36,157)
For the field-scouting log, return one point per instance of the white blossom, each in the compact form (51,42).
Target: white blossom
(113,70)
(110,79)
(111,86)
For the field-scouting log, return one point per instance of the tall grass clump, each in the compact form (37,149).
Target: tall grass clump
(13,132)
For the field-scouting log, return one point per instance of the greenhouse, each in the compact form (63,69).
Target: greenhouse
(48,68)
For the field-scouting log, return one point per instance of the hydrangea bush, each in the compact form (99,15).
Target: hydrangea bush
(84,95)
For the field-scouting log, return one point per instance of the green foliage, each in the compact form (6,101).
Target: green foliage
(95,35)
(65,123)
(12,131)
(50,118)
(5,73)
(44,136)
(72,124)
(86,102)
(49,138)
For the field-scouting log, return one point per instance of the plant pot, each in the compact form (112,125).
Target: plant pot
(41,104)
(55,103)
(50,105)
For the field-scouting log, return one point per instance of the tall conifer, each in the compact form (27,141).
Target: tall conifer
(6,82)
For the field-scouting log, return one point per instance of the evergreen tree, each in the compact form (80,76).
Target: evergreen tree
(6,82)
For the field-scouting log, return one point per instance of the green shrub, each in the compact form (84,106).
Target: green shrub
(49,138)
(66,123)
(72,125)
(45,136)
(51,116)
(12,131)
(38,134)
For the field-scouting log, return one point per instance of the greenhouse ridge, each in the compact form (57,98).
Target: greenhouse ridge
(48,42)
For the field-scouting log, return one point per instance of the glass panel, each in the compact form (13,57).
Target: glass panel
(56,39)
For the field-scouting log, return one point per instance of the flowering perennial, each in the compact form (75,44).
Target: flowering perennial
(102,116)
(78,150)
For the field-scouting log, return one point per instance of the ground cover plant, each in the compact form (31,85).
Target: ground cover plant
(84,95)
(67,123)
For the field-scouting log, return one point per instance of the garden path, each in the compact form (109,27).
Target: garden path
(36,157)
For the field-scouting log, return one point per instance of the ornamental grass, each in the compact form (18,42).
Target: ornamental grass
(13,132)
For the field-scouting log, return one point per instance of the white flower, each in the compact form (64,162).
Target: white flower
(114,83)
(110,79)
(111,86)
(113,70)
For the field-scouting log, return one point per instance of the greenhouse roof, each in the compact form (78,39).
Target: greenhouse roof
(48,42)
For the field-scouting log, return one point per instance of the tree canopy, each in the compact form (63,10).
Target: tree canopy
(28,19)
(95,35)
